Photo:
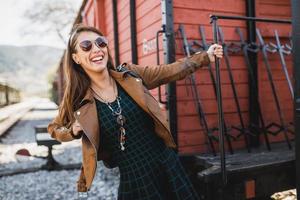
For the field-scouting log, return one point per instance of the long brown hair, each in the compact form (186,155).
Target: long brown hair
(77,82)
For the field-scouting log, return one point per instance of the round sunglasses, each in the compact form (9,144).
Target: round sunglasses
(100,42)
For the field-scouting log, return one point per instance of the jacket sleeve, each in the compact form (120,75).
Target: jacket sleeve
(60,132)
(153,76)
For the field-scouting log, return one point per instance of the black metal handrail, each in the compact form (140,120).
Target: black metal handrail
(214,19)
(258,19)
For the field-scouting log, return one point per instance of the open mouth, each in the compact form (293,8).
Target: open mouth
(97,59)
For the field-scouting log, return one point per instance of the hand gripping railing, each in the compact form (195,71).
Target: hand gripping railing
(214,19)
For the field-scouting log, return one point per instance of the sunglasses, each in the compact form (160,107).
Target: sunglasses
(100,42)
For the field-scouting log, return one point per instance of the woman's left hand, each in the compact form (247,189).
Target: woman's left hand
(215,50)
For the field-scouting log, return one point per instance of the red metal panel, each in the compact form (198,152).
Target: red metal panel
(186,107)
(123,14)
(100,15)
(146,9)
(124,31)
(148,15)
(122,4)
(151,19)
(125,57)
(216,6)
(274,9)
(138,2)
(147,44)
(203,77)
(108,17)
(94,14)
(194,126)
(124,34)
(88,13)
(192,14)
(199,16)
(276,2)
(209,94)
(108,25)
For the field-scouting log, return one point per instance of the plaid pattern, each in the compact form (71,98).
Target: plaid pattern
(148,169)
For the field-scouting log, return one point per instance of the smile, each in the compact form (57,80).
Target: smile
(98,58)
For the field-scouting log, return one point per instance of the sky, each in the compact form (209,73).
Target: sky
(12,22)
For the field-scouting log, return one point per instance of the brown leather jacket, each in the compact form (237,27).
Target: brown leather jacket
(152,76)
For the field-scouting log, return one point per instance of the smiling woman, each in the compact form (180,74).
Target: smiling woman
(92,62)
(119,121)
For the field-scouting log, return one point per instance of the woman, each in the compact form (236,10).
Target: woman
(119,121)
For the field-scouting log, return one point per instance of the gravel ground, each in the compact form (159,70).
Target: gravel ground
(48,185)
(45,185)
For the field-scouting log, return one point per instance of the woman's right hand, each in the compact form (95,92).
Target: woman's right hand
(215,50)
(76,128)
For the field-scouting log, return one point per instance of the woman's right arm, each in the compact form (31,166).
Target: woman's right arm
(62,133)
(156,75)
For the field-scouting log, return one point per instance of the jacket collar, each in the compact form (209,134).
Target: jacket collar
(132,86)
(89,98)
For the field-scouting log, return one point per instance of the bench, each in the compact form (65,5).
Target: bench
(43,138)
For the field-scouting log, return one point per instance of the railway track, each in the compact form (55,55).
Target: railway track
(11,114)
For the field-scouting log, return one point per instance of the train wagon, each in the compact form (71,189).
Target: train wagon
(253,84)
(8,95)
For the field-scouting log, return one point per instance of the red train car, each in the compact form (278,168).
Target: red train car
(150,32)
(132,26)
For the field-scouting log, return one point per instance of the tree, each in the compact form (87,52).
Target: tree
(51,16)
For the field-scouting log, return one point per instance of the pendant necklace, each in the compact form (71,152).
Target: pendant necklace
(119,117)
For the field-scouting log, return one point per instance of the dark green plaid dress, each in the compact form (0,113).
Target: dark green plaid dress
(148,169)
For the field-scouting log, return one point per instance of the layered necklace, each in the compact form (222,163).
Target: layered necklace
(117,113)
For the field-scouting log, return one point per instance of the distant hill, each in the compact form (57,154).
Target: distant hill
(27,67)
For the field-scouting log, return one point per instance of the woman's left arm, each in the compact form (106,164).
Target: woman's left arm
(153,76)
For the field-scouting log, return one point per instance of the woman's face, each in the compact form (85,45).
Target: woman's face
(93,59)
